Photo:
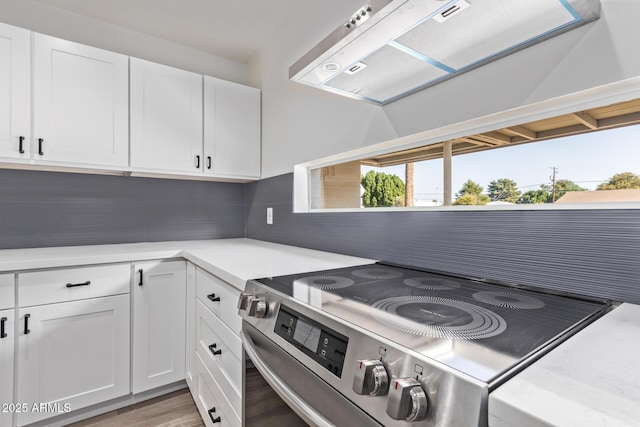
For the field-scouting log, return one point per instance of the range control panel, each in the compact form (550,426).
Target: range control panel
(325,346)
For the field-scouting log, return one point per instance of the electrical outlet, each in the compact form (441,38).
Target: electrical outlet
(269,216)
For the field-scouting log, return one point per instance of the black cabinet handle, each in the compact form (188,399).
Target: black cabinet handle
(141,271)
(212,349)
(208,162)
(26,324)
(211,412)
(21,146)
(198,162)
(73,285)
(2,322)
(40,142)
(213,297)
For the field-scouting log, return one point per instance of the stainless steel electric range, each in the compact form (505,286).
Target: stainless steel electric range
(381,344)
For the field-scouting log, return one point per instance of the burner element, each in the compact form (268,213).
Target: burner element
(432,283)
(439,317)
(508,300)
(325,282)
(377,273)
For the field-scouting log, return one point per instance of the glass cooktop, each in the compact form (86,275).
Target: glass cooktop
(477,327)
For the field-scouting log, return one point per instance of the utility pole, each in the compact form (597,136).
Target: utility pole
(553,183)
(408,184)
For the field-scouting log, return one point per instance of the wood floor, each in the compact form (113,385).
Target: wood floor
(176,409)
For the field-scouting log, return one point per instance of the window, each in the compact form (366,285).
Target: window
(587,156)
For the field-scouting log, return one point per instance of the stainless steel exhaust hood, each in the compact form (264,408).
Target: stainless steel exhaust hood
(391,48)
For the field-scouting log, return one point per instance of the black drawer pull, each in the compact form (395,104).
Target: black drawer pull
(208,162)
(73,285)
(141,271)
(40,142)
(212,349)
(198,162)
(211,412)
(21,147)
(26,324)
(2,322)
(213,297)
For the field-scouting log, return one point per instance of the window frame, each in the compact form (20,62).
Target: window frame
(612,93)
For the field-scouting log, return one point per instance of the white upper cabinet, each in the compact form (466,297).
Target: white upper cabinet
(166,118)
(80,104)
(15,96)
(231,129)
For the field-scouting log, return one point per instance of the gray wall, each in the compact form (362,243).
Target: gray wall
(40,209)
(592,252)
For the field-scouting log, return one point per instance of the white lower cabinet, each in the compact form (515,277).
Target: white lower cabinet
(210,399)
(72,355)
(191,326)
(220,350)
(6,364)
(159,306)
(217,351)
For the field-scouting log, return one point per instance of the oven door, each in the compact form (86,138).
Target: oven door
(280,391)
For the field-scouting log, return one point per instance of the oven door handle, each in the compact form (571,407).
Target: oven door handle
(290,397)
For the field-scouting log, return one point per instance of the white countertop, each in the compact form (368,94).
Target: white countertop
(233,260)
(592,379)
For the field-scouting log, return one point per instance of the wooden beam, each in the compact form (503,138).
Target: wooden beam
(586,119)
(500,138)
(523,131)
(474,141)
(565,131)
(624,120)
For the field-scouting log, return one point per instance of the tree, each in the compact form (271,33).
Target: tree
(621,181)
(471,194)
(535,196)
(503,189)
(564,185)
(382,190)
(469,187)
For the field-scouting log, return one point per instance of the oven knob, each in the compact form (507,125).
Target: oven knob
(243,301)
(257,307)
(407,400)
(371,378)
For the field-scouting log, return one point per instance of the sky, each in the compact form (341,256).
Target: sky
(588,160)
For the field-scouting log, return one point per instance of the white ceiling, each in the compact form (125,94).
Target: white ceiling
(235,29)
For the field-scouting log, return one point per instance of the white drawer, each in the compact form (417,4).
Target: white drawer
(210,287)
(224,360)
(45,287)
(209,396)
(7,297)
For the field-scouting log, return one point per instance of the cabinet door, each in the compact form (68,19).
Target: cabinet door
(213,407)
(231,129)
(159,324)
(166,118)
(191,325)
(80,104)
(73,353)
(7,340)
(15,95)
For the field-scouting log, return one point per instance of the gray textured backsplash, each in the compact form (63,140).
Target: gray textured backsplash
(39,209)
(591,252)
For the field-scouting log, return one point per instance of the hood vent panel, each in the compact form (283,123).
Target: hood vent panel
(408,45)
